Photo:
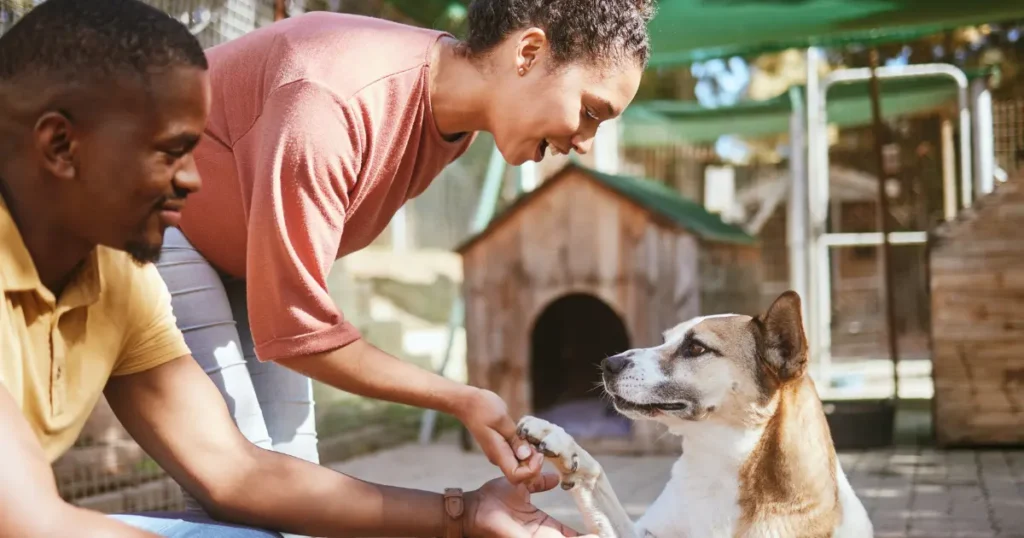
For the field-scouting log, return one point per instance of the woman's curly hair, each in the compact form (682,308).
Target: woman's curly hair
(596,31)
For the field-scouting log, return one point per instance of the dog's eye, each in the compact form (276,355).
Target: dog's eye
(694,349)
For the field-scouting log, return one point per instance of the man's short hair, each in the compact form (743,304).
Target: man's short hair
(79,40)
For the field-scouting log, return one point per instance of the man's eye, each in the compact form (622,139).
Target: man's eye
(176,154)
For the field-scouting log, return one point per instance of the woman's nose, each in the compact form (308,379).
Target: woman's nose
(582,145)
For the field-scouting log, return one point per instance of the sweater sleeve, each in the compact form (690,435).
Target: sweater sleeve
(304,155)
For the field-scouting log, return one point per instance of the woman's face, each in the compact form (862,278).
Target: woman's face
(539,109)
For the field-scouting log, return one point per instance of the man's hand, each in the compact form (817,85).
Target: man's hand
(180,419)
(502,509)
(486,417)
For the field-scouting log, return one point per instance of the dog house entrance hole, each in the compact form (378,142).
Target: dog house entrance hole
(570,339)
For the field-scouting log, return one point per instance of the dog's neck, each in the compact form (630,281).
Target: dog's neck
(777,462)
(791,473)
(795,444)
(720,447)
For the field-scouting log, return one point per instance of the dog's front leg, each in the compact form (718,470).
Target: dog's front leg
(583,476)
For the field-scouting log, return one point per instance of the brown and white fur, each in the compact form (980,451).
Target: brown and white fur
(758,459)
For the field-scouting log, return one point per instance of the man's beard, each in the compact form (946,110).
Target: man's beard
(143,253)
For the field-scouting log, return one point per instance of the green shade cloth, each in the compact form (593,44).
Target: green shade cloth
(685,31)
(849,105)
(656,197)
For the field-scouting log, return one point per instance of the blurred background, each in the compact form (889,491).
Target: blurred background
(726,124)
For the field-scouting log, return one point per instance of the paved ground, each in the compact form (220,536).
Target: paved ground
(910,492)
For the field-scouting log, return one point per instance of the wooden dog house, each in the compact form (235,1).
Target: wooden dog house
(977,292)
(586,266)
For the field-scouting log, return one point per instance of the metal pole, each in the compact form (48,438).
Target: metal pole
(399,231)
(529,177)
(949,205)
(881,138)
(796,218)
(984,169)
(814,220)
(606,147)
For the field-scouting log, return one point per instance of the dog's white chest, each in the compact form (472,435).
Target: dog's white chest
(702,501)
(697,502)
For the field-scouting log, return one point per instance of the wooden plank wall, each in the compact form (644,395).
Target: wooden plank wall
(577,237)
(977,294)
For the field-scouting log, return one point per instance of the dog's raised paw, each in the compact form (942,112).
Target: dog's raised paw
(559,447)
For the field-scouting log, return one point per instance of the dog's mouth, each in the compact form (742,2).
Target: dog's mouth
(651,408)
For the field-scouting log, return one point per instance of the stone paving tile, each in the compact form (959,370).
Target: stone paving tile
(908,491)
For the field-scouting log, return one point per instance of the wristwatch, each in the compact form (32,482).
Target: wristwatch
(454,507)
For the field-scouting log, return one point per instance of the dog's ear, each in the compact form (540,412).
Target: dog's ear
(785,345)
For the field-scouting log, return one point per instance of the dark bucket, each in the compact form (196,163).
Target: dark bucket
(861,424)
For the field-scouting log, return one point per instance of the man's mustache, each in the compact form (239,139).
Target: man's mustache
(178,197)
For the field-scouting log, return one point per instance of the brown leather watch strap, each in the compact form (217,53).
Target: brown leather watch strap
(454,508)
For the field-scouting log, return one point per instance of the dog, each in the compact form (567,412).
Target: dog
(758,458)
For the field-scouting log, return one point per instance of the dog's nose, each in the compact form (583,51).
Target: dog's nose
(617,363)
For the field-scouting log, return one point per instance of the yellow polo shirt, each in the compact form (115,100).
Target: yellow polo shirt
(56,355)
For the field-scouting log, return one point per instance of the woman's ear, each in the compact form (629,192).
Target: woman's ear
(532,42)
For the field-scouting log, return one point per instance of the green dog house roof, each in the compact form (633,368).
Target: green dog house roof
(657,199)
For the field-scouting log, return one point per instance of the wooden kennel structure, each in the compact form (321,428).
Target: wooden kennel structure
(977,302)
(609,262)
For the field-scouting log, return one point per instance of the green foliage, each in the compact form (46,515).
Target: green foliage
(447,15)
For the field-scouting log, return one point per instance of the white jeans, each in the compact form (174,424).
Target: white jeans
(272,405)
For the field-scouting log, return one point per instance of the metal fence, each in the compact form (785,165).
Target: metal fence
(107,471)
(212,21)
(1008,135)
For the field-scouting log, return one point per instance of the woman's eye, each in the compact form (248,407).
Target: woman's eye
(590,114)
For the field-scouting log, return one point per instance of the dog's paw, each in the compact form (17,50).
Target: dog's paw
(574,464)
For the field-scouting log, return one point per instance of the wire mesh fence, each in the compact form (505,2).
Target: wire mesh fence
(107,471)
(1008,135)
(211,21)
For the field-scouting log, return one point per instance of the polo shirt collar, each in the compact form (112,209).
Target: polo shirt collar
(18,272)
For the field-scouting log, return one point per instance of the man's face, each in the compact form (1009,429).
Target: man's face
(133,167)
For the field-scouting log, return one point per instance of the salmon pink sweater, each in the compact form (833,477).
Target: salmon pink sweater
(321,128)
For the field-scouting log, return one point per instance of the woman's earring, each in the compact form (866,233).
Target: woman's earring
(522,70)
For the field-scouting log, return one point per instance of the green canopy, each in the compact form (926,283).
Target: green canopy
(849,105)
(685,31)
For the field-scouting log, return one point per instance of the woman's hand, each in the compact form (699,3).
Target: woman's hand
(502,510)
(363,369)
(486,417)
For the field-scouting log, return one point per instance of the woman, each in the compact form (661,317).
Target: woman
(322,127)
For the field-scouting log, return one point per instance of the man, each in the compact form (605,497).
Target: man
(101,104)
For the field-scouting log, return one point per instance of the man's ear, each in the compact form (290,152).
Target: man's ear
(785,342)
(54,138)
